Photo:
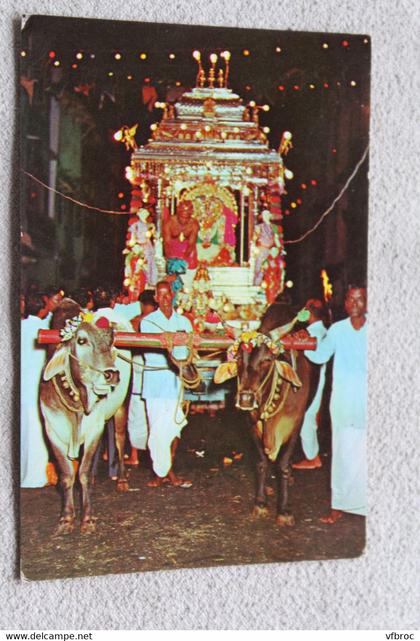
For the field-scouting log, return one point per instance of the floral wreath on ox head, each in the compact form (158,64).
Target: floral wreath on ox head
(72,324)
(250,339)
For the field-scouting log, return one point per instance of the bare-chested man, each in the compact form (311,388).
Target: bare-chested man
(180,234)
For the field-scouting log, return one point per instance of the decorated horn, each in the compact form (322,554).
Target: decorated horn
(279,332)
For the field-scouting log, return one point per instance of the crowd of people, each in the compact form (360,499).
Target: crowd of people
(154,415)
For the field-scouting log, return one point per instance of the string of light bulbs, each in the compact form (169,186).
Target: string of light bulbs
(286,242)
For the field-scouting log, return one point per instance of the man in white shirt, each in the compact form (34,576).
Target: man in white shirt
(308,432)
(33,448)
(104,307)
(347,342)
(162,390)
(128,310)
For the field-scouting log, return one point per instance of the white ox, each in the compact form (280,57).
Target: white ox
(84,384)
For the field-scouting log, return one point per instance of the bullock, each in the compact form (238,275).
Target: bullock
(275,386)
(84,384)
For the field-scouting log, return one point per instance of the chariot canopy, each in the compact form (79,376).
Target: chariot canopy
(209,148)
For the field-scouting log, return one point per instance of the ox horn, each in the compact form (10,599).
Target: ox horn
(278,333)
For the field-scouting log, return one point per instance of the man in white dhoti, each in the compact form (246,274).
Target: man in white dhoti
(137,421)
(162,390)
(308,432)
(33,448)
(346,341)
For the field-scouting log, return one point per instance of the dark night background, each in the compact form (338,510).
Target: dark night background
(75,246)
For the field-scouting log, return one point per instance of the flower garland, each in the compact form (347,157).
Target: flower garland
(250,339)
(72,324)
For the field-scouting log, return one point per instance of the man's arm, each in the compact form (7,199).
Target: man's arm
(325,348)
(166,235)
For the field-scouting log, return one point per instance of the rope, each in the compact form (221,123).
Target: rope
(189,346)
(270,371)
(126,213)
(179,403)
(210,356)
(334,202)
(180,363)
(266,413)
(260,387)
(180,399)
(141,366)
(85,365)
(189,383)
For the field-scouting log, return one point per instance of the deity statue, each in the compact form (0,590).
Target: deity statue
(216,238)
(140,265)
(265,239)
(142,198)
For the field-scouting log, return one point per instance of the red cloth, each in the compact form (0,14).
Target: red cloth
(272,276)
(230,224)
(177,249)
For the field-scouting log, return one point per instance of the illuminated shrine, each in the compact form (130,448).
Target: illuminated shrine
(210,149)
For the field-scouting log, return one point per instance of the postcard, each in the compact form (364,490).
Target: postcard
(194,210)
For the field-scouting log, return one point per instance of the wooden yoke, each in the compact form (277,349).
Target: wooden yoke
(203,342)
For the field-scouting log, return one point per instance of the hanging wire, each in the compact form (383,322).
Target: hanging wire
(334,202)
(286,242)
(77,202)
